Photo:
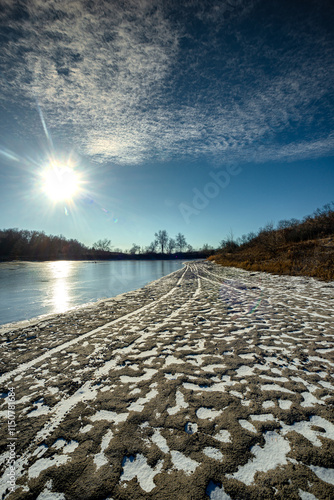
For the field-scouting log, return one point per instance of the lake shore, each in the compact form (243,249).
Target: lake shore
(209,381)
(31,290)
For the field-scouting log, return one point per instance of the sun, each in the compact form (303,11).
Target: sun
(60,182)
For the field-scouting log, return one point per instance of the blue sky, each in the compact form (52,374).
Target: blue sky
(151,100)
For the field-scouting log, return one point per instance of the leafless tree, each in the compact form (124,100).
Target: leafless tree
(162,239)
(180,242)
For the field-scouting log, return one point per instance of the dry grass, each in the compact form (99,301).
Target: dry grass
(305,258)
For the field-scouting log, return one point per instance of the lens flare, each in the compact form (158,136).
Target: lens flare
(60,182)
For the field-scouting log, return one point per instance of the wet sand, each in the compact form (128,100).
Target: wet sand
(208,383)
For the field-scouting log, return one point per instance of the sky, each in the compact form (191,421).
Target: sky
(199,117)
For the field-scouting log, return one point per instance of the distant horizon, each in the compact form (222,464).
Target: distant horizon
(143,249)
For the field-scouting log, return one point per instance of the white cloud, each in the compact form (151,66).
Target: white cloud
(117,75)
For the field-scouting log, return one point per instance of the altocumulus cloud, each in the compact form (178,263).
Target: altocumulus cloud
(132,81)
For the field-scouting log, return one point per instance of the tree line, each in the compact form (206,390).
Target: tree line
(16,244)
(320,224)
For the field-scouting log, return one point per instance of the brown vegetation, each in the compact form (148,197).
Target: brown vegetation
(299,248)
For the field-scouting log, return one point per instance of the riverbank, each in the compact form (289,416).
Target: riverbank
(314,258)
(208,380)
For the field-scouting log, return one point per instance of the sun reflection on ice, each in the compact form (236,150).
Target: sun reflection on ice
(60,272)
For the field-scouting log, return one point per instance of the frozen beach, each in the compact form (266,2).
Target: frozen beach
(210,382)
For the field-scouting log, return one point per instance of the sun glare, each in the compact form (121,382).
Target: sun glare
(60,182)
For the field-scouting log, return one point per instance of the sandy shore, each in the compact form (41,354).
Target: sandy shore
(208,383)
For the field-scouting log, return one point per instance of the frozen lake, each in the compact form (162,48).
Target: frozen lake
(30,289)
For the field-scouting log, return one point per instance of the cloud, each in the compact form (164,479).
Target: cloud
(134,81)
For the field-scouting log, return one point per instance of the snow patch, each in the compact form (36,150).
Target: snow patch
(310,400)
(269,457)
(214,453)
(172,360)
(140,403)
(245,371)
(216,492)
(223,436)
(263,418)
(160,441)
(208,413)
(247,425)
(305,429)
(305,495)
(44,463)
(111,416)
(48,494)
(87,428)
(181,462)
(284,404)
(275,387)
(100,458)
(171,376)
(138,467)
(326,475)
(268,404)
(180,403)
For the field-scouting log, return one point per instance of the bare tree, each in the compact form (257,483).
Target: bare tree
(134,249)
(171,245)
(206,247)
(180,242)
(162,239)
(102,245)
(152,246)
